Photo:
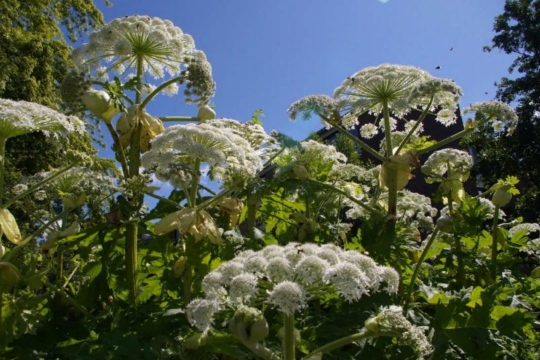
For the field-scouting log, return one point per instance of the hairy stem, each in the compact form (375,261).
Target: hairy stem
(416,126)
(252,203)
(454,137)
(392,173)
(2,165)
(168,201)
(289,351)
(119,149)
(494,246)
(348,135)
(195,183)
(418,266)
(157,90)
(363,334)
(134,164)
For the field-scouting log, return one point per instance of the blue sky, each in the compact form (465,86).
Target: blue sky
(268,54)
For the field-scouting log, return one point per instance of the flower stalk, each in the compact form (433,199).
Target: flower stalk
(289,351)
(418,266)
(495,229)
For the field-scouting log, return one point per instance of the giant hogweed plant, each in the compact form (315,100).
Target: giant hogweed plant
(264,268)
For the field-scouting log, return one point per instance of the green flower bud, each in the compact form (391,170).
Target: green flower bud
(179,266)
(372,325)
(501,198)
(444,224)
(97,101)
(249,325)
(206,113)
(301,172)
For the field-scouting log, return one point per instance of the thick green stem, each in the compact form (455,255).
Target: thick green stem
(360,143)
(387,128)
(418,266)
(178,118)
(252,203)
(363,334)
(187,276)
(154,93)
(392,173)
(2,165)
(131,261)
(195,182)
(119,149)
(449,139)
(70,300)
(494,245)
(289,351)
(457,242)
(356,201)
(416,126)
(38,185)
(168,201)
(36,233)
(134,164)
(214,200)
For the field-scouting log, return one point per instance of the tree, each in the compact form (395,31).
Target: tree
(34,56)
(517,32)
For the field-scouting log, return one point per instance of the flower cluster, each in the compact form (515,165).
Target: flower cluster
(391,320)
(120,41)
(312,105)
(530,227)
(457,161)
(22,117)
(497,112)
(73,186)
(163,48)
(287,277)
(179,152)
(403,88)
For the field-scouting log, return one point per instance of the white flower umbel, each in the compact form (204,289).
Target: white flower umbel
(117,45)
(496,112)
(294,274)
(368,131)
(459,162)
(22,117)
(200,313)
(312,105)
(529,227)
(177,154)
(403,88)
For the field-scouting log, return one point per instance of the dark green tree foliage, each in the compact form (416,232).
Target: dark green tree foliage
(34,55)
(517,33)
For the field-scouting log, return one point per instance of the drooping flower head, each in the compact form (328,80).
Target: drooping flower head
(287,277)
(23,117)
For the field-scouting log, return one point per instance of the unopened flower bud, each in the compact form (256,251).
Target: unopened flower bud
(206,113)
(501,198)
(179,266)
(9,226)
(301,172)
(349,190)
(444,223)
(97,101)
(249,325)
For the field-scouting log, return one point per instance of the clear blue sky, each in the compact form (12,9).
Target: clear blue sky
(268,54)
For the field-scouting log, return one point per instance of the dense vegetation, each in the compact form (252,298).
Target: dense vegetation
(324,258)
